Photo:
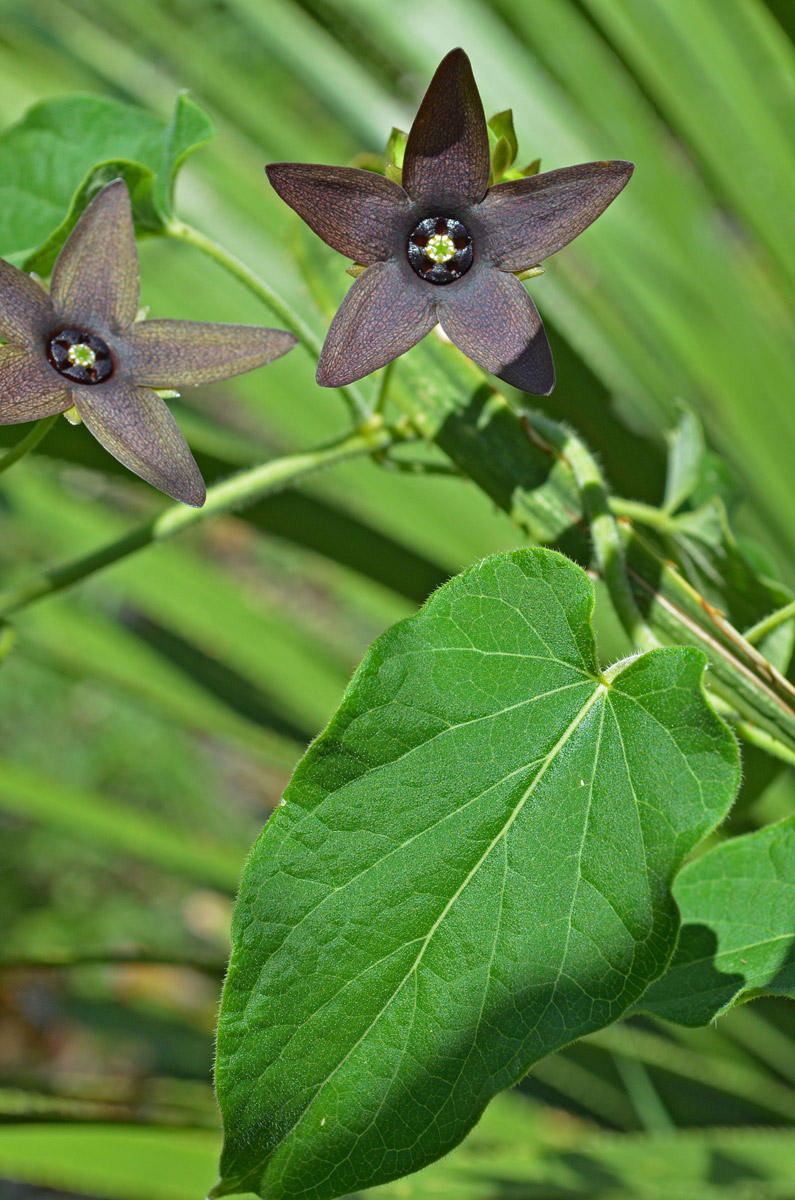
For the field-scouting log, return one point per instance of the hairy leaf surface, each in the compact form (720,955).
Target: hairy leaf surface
(738,928)
(470,868)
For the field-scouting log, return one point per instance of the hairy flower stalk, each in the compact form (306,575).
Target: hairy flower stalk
(442,246)
(80,346)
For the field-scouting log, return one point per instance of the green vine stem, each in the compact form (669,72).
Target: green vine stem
(646,514)
(383,387)
(605,533)
(29,442)
(229,496)
(768,624)
(182,232)
(753,734)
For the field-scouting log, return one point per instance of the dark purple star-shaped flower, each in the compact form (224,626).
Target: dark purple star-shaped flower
(81,345)
(443,248)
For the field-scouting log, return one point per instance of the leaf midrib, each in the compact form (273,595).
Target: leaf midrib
(600,690)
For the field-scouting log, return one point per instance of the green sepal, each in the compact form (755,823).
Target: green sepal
(396,148)
(530,273)
(500,160)
(523,172)
(501,126)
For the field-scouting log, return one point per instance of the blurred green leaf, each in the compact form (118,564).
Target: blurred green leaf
(693,62)
(279,652)
(738,928)
(120,1163)
(37,796)
(506,811)
(84,643)
(685,454)
(64,151)
(518,1150)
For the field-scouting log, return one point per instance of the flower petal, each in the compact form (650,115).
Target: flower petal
(29,387)
(526,220)
(95,277)
(494,321)
(135,426)
(188,353)
(26,312)
(447,154)
(381,317)
(359,213)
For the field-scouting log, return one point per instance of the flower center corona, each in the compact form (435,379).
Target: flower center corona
(80,356)
(440,250)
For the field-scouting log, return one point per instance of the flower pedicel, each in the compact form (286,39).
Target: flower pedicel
(80,345)
(444,247)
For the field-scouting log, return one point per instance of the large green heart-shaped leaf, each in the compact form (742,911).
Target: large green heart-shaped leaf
(62,152)
(738,928)
(470,868)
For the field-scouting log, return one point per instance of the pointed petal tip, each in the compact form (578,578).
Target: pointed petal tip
(175,354)
(456,55)
(551,387)
(330,376)
(622,166)
(447,153)
(95,276)
(195,493)
(181,481)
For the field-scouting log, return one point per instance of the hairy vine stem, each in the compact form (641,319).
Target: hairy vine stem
(605,533)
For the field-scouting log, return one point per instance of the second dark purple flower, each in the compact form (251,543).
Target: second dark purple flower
(444,247)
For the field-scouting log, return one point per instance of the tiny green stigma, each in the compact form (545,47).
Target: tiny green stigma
(440,248)
(81,355)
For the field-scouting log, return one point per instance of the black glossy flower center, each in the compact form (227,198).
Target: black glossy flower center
(440,250)
(80,356)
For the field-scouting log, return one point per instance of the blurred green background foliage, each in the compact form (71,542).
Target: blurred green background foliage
(150,719)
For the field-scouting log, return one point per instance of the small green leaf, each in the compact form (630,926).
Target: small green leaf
(685,454)
(500,160)
(501,125)
(470,869)
(396,148)
(62,152)
(738,928)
